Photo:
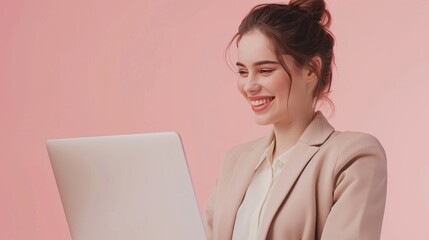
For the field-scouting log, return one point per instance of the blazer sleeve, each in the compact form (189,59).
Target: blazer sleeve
(360,179)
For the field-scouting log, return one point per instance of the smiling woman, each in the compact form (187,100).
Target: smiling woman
(266,84)
(305,180)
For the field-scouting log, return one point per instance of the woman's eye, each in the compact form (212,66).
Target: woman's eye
(241,73)
(266,71)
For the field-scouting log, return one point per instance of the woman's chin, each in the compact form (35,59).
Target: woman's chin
(262,121)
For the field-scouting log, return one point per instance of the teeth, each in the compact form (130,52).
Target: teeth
(260,102)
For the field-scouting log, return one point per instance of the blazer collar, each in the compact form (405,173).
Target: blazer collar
(241,177)
(308,144)
(317,132)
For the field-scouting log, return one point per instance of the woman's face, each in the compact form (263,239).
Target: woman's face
(265,84)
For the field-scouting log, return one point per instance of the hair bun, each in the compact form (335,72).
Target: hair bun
(314,8)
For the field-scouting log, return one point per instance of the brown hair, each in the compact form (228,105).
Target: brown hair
(299,29)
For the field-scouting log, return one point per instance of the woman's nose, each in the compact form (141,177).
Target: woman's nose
(251,84)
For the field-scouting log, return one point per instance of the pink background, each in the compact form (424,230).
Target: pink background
(101,67)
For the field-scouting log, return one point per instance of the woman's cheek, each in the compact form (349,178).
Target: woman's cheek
(240,86)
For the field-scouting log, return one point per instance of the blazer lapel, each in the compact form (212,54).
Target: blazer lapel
(309,143)
(242,175)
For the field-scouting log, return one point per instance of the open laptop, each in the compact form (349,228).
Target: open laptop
(126,187)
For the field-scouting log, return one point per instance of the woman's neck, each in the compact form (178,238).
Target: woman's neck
(287,134)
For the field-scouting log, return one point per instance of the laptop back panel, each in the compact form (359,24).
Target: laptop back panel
(126,187)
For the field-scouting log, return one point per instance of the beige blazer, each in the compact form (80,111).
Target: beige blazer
(333,187)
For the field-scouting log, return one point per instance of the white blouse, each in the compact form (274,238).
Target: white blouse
(251,210)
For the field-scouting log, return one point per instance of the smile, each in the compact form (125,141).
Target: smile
(261,101)
(259,104)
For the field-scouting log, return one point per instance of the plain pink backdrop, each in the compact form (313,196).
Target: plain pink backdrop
(101,67)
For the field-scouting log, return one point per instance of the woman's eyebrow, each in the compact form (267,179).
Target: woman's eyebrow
(258,63)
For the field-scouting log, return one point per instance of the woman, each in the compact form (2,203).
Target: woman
(305,180)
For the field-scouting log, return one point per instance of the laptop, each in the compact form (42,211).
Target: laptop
(126,187)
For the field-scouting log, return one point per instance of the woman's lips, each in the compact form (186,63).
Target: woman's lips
(260,103)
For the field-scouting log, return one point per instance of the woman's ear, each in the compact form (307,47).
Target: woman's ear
(313,69)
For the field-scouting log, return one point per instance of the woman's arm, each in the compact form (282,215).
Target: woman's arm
(360,191)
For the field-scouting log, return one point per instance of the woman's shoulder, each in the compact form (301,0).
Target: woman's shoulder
(351,146)
(246,146)
(349,140)
(256,147)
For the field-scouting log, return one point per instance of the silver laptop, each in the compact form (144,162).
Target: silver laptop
(126,187)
